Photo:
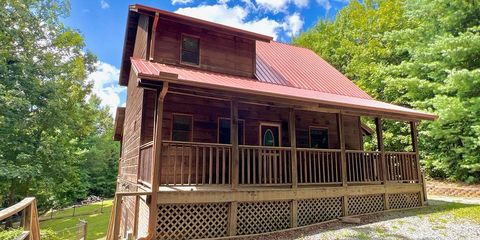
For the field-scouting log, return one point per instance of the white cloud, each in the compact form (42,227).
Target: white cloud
(104,4)
(325,4)
(105,85)
(273,5)
(181,1)
(234,17)
(278,5)
(293,24)
(301,3)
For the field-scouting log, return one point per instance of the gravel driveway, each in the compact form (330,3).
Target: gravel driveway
(426,223)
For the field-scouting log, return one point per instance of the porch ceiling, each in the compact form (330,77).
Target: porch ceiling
(198,78)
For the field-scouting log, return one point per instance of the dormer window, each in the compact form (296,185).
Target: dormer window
(190,50)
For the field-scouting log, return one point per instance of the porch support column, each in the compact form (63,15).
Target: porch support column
(343,157)
(414,134)
(157,150)
(234,141)
(383,160)
(293,167)
(293,145)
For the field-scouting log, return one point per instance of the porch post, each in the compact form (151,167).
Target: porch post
(293,168)
(157,150)
(383,160)
(234,141)
(343,157)
(414,134)
(293,145)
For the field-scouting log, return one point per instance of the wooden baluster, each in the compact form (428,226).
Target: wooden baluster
(197,150)
(264,161)
(175,165)
(204,163)
(280,164)
(254,170)
(299,160)
(210,165)
(224,162)
(241,165)
(189,165)
(305,169)
(275,165)
(217,165)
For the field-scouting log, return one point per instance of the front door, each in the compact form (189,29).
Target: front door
(270,135)
(270,158)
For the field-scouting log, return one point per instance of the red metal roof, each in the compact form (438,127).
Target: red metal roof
(299,89)
(288,65)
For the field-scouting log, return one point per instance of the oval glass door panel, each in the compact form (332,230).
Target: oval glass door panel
(270,135)
(268,138)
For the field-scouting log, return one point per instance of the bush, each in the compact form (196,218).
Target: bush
(12,234)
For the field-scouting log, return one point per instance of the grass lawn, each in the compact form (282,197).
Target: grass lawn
(97,223)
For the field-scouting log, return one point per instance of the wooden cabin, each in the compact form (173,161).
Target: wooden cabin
(227,132)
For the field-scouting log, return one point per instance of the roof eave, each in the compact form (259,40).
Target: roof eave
(417,116)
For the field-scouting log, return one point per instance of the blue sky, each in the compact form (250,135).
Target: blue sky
(102,23)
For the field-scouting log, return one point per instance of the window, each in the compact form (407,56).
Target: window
(182,127)
(318,137)
(190,50)
(224,131)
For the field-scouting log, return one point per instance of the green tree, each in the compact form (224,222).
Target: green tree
(422,54)
(46,123)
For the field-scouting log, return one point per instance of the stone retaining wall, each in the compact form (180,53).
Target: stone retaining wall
(453,191)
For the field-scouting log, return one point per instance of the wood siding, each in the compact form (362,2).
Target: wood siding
(207,111)
(218,52)
(132,129)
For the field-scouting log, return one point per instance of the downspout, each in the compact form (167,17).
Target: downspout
(157,148)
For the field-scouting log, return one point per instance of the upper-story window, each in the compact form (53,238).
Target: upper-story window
(190,50)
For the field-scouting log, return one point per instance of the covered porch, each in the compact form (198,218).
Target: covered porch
(290,157)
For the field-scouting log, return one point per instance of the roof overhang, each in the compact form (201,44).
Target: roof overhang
(119,120)
(198,78)
(132,22)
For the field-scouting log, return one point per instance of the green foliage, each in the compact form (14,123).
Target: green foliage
(422,54)
(10,234)
(46,123)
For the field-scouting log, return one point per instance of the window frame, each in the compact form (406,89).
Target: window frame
(183,35)
(270,124)
(218,129)
(310,135)
(172,123)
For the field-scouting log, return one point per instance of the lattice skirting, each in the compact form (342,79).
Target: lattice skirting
(260,217)
(365,204)
(210,220)
(311,211)
(404,200)
(192,221)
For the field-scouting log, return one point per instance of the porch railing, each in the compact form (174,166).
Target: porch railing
(192,163)
(264,165)
(145,165)
(189,163)
(401,166)
(318,166)
(363,166)
(27,208)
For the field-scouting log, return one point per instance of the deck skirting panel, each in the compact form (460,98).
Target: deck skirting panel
(209,213)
